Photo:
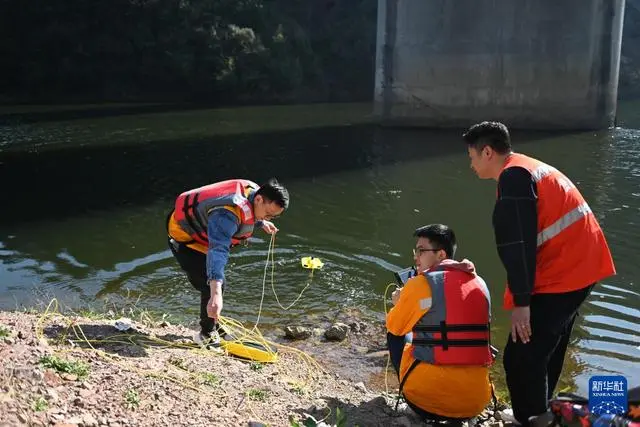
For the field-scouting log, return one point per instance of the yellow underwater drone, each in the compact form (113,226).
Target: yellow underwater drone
(250,350)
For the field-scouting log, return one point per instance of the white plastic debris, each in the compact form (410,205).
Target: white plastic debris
(123,324)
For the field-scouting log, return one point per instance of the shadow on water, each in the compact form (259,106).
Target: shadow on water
(68,181)
(56,113)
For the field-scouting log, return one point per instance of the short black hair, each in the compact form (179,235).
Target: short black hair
(275,192)
(492,134)
(441,236)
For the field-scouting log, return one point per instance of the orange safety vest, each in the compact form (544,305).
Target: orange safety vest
(572,250)
(192,208)
(456,329)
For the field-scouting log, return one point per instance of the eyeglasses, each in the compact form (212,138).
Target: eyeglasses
(268,213)
(418,251)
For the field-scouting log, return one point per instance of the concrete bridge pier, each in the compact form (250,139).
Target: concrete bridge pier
(536,64)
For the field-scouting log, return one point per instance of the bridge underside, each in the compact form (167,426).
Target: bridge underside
(543,64)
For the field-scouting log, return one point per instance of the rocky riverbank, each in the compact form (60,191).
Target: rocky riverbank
(76,371)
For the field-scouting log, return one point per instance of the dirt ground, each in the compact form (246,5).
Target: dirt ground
(75,371)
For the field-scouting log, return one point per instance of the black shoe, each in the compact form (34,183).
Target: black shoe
(224,334)
(207,340)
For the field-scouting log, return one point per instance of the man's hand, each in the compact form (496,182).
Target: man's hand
(520,324)
(269,227)
(214,306)
(395,296)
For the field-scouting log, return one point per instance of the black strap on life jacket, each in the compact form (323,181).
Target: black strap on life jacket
(443,328)
(191,217)
(168,221)
(404,380)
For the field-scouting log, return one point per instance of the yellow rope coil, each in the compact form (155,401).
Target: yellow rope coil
(235,347)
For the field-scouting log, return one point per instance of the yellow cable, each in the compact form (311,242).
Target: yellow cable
(233,326)
(264,281)
(82,337)
(273,288)
(52,310)
(386,369)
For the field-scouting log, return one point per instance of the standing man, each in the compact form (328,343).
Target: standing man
(553,251)
(206,222)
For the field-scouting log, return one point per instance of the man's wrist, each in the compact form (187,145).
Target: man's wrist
(215,285)
(522,300)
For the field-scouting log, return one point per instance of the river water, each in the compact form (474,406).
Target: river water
(85,197)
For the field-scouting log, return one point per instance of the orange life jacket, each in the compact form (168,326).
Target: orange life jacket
(192,208)
(572,250)
(456,329)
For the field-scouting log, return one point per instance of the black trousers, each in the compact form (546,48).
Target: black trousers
(395,345)
(533,369)
(194,264)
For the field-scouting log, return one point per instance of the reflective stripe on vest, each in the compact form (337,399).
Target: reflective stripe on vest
(567,219)
(541,172)
(436,314)
(564,222)
(544,170)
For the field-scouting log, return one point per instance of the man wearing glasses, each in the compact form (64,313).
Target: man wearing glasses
(444,370)
(205,223)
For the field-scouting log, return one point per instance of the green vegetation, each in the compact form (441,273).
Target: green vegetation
(132,399)
(216,51)
(210,379)
(40,404)
(79,369)
(256,366)
(257,394)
